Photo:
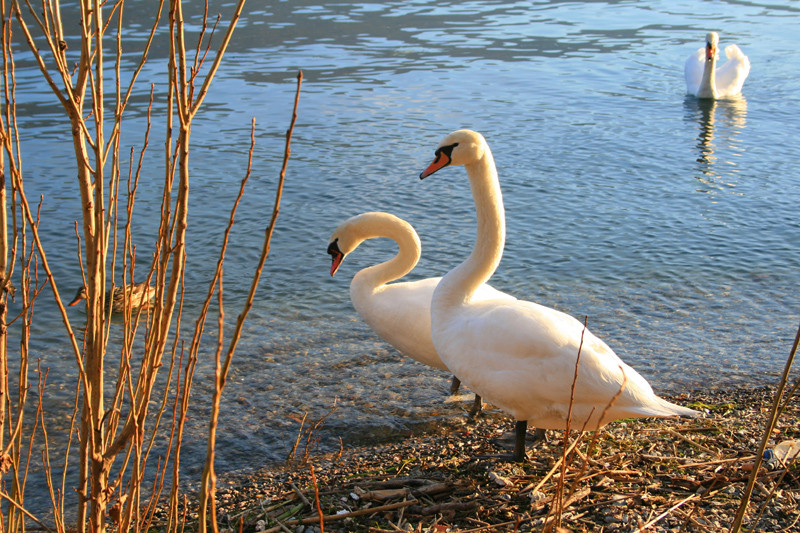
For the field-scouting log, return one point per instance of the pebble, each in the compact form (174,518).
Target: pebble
(538,496)
(615,504)
(500,480)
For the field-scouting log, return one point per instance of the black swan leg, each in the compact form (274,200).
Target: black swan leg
(477,405)
(519,444)
(455,385)
(539,435)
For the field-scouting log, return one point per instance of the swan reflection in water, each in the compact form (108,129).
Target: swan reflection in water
(720,123)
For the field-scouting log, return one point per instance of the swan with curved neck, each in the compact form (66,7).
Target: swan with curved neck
(705,80)
(398,312)
(519,355)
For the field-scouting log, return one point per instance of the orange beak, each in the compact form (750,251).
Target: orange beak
(81,294)
(441,161)
(336,256)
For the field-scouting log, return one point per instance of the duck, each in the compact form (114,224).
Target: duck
(398,312)
(139,295)
(539,365)
(704,80)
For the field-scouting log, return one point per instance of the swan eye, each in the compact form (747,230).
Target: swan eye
(446,150)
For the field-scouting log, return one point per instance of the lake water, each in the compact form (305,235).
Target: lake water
(672,224)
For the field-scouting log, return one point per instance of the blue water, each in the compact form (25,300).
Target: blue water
(669,222)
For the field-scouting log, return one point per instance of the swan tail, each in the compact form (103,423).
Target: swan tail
(662,408)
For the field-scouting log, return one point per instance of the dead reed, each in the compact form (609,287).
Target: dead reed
(119,413)
(639,475)
(634,475)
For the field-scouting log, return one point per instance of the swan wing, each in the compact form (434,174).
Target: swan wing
(400,313)
(693,70)
(522,357)
(732,74)
(511,351)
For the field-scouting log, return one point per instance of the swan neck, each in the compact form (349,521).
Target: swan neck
(708,85)
(408,254)
(462,282)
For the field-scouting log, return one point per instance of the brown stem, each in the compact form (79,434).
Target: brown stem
(771,421)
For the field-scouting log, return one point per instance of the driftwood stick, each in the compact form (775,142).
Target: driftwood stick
(574,497)
(400,482)
(282,527)
(449,506)
(300,494)
(331,517)
(719,461)
(690,441)
(382,494)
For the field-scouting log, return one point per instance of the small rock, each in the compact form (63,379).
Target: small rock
(500,480)
(537,496)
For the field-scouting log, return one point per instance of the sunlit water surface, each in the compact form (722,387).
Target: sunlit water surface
(670,223)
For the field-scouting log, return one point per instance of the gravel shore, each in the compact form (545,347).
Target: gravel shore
(650,475)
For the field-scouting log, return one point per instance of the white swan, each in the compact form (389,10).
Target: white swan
(704,80)
(518,355)
(400,313)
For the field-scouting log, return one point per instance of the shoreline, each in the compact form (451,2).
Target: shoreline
(691,471)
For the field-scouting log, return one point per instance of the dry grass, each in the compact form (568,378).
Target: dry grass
(638,475)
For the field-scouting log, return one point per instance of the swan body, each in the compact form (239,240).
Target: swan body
(519,355)
(704,80)
(138,295)
(398,312)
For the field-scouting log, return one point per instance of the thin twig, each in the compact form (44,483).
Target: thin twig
(690,441)
(217,60)
(560,486)
(771,421)
(24,511)
(316,498)
(552,471)
(666,513)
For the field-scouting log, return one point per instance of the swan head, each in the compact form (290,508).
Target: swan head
(712,43)
(355,230)
(461,147)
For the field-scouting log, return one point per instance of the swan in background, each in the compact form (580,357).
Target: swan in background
(704,80)
(518,355)
(400,313)
(138,295)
